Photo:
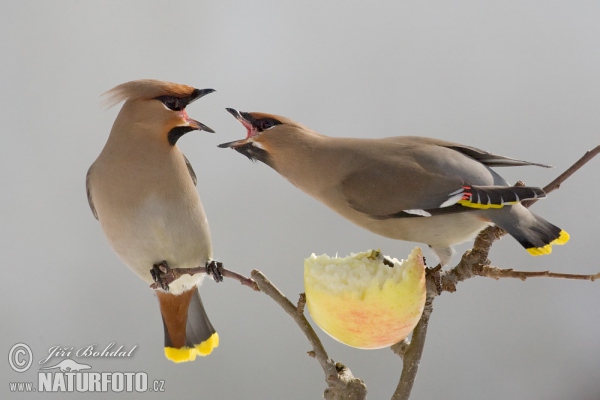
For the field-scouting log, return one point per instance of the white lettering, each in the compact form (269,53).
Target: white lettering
(59,383)
(94,382)
(105,351)
(57,351)
(45,381)
(85,351)
(70,376)
(117,382)
(141,382)
(90,382)
(131,351)
(106,380)
(82,384)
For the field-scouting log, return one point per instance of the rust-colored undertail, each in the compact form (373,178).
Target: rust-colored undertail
(188,331)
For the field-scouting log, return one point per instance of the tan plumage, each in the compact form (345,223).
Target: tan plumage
(142,190)
(408,188)
(145,89)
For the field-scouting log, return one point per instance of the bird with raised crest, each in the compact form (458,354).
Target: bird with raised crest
(142,190)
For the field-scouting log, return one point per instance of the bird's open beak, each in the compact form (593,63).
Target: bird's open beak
(198,93)
(198,125)
(247,124)
(192,123)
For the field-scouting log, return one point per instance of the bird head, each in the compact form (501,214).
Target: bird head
(266,134)
(152,103)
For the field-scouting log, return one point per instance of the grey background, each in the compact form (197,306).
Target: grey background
(519,78)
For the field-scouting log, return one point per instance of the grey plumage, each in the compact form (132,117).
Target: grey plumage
(408,188)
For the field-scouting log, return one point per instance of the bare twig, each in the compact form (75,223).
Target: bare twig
(241,278)
(301,303)
(342,384)
(411,354)
(174,273)
(555,184)
(498,273)
(270,290)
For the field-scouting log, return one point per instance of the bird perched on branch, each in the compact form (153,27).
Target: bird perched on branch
(408,188)
(142,190)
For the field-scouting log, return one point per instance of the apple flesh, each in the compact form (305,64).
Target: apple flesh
(362,300)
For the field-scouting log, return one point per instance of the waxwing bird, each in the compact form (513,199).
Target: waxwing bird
(407,188)
(142,190)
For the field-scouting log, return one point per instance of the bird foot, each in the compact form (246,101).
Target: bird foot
(215,269)
(162,275)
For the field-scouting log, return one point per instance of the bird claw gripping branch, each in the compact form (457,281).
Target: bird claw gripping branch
(162,275)
(215,269)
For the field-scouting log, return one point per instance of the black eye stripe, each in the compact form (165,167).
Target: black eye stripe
(172,102)
(265,123)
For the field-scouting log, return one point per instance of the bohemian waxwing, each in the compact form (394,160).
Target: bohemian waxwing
(142,190)
(408,188)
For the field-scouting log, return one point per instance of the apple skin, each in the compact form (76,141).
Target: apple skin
(370,315)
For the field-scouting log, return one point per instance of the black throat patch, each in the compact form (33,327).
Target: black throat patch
(177,132)
(254,153)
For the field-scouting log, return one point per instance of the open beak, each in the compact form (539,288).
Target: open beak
(244,120)
(192,123)
(234,144)
(197,94)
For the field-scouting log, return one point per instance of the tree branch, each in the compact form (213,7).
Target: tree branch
(342,384)
(168,275)
(411,352)
(555,184)
(497,273)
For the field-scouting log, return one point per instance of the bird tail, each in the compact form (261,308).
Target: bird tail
(534,233)
(188,331)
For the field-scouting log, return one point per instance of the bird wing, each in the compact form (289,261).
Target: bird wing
(190,170)
(89,193)
(387,188)
(419,177)
(484,157)
(492,160)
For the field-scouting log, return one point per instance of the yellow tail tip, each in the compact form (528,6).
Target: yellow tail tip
(206,347)
(540,251)
(184,354)
(562,238)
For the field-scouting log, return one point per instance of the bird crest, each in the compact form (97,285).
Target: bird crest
(144,89)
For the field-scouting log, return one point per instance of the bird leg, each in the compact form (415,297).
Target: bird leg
(215,269)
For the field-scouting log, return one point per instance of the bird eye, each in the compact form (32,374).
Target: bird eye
(267,123)
(171,102)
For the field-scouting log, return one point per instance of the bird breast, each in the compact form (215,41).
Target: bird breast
(152,215)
